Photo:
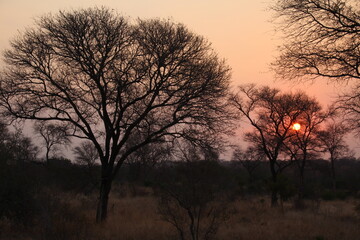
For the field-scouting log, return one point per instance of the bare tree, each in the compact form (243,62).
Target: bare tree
(333,142)
(15,147)
(86,154)
(272,116)
(322,39)
(250,158)
(53,136)
(23,149)
(5,136)
(349,104)
(304,144)
(108,79)
(146,158)
(193,197)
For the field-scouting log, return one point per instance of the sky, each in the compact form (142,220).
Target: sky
(240,32)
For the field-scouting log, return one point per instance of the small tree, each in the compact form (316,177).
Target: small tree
(250,159)
(142,161)
(5,152)
(87,154)
(332,140)
(53,136)
(20,147)
(193,198)
(15,147)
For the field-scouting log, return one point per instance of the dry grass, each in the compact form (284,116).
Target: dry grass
(254,219)
(132,218)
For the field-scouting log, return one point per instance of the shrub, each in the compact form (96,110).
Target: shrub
(17,201)
(193,199)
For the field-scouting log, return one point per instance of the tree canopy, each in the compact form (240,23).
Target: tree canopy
(272,115)
(322,39)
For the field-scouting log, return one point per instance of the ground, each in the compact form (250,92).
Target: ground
(71,216)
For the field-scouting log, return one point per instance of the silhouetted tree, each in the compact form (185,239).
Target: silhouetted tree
(108,79)
(322,39)
(146,158)
(21,147)
(272,116)
(193,197)
(333,142)
(86,154)
(250,159)
(5,152)
(53,136)
(349,105)
(304,144)
(15,147)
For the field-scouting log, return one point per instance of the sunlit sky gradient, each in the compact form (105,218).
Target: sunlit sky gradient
(240,31)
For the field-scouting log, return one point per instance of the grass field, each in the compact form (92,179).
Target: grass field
(130,218)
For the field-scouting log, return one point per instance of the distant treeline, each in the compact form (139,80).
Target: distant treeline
(22,184)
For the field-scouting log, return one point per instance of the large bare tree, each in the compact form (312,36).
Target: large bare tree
(107,78)
(272,115)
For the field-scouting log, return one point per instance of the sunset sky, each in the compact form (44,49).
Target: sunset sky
(240,31)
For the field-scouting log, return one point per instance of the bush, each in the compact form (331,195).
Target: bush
(60,219)
(330,195)
(17,201)
(284,186)
(193,198)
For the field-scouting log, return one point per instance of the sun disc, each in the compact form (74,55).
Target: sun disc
(296,126)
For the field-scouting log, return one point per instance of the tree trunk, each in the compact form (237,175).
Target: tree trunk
(301,185)
(102,208)
(299,203)
(192,225)
(47,156)
(274,190)
(302,178)
(274,198)
(333,176)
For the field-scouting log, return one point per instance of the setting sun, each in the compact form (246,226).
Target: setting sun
(296,126)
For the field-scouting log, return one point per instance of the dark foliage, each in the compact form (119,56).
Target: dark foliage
(194,197)
(17,191)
